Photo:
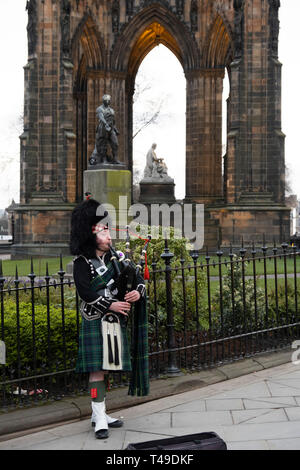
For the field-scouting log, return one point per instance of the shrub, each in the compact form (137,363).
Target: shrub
(239,312)
(51,353)
(180,248)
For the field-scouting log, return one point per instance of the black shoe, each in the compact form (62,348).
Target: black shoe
(101,434)
(116,424)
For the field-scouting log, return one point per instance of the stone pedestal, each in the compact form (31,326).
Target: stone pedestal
(106,185)
(155,192)
(41,228)
(110,186)
(253,223)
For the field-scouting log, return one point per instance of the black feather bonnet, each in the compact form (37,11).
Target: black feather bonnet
(84,217)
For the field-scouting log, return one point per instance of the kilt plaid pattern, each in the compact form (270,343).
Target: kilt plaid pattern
(90,351)
(139,383)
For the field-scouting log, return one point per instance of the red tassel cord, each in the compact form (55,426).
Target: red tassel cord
(146,270)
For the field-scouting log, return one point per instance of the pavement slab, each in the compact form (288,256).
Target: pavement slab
(208,419)
(269,402)
(227,404)
(255,411)
(263,415)
(250,445)
(284,444)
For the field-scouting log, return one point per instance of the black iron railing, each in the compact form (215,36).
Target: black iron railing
(203,311)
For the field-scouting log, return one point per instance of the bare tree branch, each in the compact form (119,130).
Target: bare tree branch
(147,119)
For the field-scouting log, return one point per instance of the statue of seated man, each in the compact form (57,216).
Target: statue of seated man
(155,167)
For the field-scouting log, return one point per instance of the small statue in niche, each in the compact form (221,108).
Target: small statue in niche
(65,27)
(31,7)
(179,7)
(129,7)
(238,28)
(194,16)
(274,26)
(115,15)
(106,133)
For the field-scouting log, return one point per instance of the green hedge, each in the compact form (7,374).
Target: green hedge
(54,355)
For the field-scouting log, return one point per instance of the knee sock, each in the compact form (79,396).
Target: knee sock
(97,390)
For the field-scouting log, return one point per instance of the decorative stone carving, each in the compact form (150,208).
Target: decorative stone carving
(115,16)
(179,7)
(145,3)
(194,16)
(238,28)
(31,7)
(65,27)
(238,4)
(274,26)
(129,7)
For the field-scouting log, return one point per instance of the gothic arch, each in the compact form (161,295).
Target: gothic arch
(88,55)
(218,48)
(88,50)
(129,49)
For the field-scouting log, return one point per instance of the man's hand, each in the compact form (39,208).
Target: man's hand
(120,307)
(132,296)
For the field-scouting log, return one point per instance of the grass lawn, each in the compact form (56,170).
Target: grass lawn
(39,266)
(259,265)
(260,284)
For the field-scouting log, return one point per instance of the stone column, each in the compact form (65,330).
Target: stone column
(255,140)
(204,136)
(275,149)
(29,138)
(234,133)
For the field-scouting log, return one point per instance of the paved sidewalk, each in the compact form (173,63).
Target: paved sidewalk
(258,411)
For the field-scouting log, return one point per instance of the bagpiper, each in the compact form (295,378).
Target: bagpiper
(110,288)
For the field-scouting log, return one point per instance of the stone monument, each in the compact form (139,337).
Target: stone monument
(106,133)
(106,178)
(80,50)
(156,185)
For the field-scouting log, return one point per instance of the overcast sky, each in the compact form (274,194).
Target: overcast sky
(162,67)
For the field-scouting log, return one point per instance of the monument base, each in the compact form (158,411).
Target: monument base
(252,223)
(106,185)
(228,225)
(156,192)
(41,228)
(111,186)
(107,166)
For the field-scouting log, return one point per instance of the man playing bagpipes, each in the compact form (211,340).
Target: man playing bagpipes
(108,287)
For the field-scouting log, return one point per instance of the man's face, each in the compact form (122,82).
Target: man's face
(106,101)
(103,238)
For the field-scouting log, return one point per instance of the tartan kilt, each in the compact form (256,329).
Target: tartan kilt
(90,348)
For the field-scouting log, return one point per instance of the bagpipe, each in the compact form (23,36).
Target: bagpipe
(126,272)
(126,278)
